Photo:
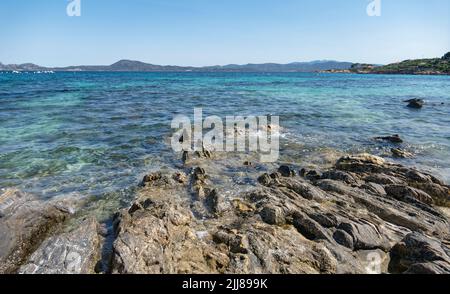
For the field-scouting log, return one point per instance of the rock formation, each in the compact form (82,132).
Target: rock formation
(364,215)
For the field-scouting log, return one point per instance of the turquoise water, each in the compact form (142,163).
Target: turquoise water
(94,134)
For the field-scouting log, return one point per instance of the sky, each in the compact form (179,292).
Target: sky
(212,32)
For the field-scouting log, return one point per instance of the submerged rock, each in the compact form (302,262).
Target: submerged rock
(392,139)
(401,153)
(415,103)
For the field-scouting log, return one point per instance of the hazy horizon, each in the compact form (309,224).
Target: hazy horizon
(206,33)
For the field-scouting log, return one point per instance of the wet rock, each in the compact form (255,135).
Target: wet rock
(76,252)
(360,163)
(200,183)
(415,103)
(155,179)
(248,163)
(199,173)
(180,177)
(286,171)
(310,174)
(396,152)
(216,203)
(391,139)
(185,157)
(417,253)
(26,221)
(189,157)
(265,180)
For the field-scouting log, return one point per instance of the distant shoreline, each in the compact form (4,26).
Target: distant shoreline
(433,66)
(230,72)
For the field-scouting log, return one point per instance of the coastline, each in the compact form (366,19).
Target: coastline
(294,220)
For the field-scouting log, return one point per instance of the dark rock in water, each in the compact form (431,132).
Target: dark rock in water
(361,163)
(286,171)
(185,157)
(310,174)
(76,252)
(401,153)
(155,179)
(392,139)
(180,177)
(247,163)
(415,103)
(418,254)
(265,180)
(215,202)
(199,173)
(26,222)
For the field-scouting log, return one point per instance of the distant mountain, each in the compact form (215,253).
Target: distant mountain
(137,66)
(21,67)
(312,66)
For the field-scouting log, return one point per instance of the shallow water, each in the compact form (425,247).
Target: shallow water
(95,134)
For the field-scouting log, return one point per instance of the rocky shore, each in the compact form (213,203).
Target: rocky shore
(363,215)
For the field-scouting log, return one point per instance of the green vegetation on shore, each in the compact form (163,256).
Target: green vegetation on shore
(418,66)
(439,66)
(431,66)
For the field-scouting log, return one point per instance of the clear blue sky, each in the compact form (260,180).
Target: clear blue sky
(208,32)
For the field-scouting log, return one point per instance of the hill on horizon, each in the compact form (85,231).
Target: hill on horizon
(138,66)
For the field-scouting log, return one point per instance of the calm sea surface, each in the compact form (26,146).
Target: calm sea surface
(94,134)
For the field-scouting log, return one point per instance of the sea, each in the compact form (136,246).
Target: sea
(95,134)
